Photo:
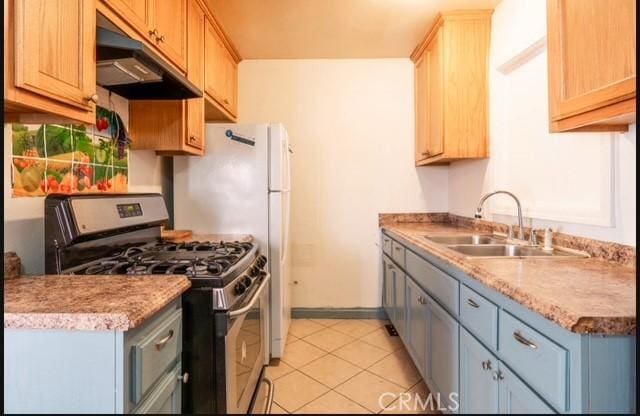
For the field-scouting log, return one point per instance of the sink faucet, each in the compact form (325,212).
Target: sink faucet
(520,223)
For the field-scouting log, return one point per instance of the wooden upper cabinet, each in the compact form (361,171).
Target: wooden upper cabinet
(137,12)
(451,88)
(195,73)
(592,64)
(162,23)
(50,63)
(221,71)
(170,22)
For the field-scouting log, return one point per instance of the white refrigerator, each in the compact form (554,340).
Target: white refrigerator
(242,186)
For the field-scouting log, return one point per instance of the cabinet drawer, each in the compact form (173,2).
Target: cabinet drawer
(397,253)
(539,361)
(439,284)
(479,316)
(386,244)
(154,352)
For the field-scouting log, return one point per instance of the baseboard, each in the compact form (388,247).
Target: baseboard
(338,313)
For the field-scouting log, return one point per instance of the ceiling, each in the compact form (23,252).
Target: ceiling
(299,29)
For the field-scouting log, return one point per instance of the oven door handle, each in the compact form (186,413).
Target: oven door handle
(256,296)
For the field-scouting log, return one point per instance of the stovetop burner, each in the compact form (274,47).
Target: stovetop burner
(197,260)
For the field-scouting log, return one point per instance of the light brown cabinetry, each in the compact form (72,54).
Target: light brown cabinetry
(175,127)
(451,88)
(221,75)
(50,63)
(592,64)
(161,22)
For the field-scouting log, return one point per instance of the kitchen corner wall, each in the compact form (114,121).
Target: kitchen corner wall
(351,124)
(24,217)
(576,183)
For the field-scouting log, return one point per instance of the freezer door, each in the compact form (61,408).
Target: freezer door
(280,151)
(226,190)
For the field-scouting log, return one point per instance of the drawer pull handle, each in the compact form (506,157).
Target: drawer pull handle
(386,240)
(486,365)
(390,266)
(472,303)
(522,340)
(160,344)
(421,300)
(398,248)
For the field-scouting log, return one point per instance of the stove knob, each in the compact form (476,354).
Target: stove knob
(254,271)
(262,260)
(247,281)
(239,288)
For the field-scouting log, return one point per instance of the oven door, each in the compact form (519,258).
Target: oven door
(244,349)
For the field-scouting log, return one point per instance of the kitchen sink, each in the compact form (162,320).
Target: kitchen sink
(511,250)
(466,239)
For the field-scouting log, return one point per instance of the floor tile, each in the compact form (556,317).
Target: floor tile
(327,322)
(370,391)
(332,403)
(302,327)
(291,338)
(328,339)
(277,410)
(353,327)
(330,370)
(295,390)
(299,353)
(397,368)
(277,369)
(361,353)
(415,401)
(381,339)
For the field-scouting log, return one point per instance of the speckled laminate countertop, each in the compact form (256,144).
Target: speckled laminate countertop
(586,295)
(104,302)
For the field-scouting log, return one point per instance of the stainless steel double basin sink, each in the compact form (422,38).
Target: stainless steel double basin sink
(487,246)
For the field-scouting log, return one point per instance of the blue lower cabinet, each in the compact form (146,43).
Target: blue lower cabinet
(443,357)
(516,397)
(399,284)
(166,396)
(388,288)
(417,319)
(478,384)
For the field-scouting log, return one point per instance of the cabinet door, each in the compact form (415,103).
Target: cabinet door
(478,389)
(220,71)
(165,397)
(591,53)
(136,12)
(170,20)
(516,397)
(54,50)
(435,97)
(443,354)
(195,74)
(400,291)
(388,289)
(421,79)
(417,320)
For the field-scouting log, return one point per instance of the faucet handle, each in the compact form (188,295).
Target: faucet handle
(533,238)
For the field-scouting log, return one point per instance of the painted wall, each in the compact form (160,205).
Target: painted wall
(24,217)
(577,183)
(351,124)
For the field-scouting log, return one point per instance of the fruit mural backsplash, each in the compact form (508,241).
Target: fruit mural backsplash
(52,158)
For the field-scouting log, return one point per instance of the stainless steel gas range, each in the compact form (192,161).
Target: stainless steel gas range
(224,311)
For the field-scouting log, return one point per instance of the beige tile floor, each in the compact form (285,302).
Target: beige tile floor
(343,366)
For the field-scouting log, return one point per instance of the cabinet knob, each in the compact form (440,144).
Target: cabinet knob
(192,139)
(154,33)
(184,378)
(497,375)
(225,101)
(426,153)
(160,39)
(486,365)
(421,300)
(93,98)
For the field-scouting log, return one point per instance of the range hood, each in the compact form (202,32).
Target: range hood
(130,69)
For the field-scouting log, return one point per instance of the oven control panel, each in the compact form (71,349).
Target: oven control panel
(129,210)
